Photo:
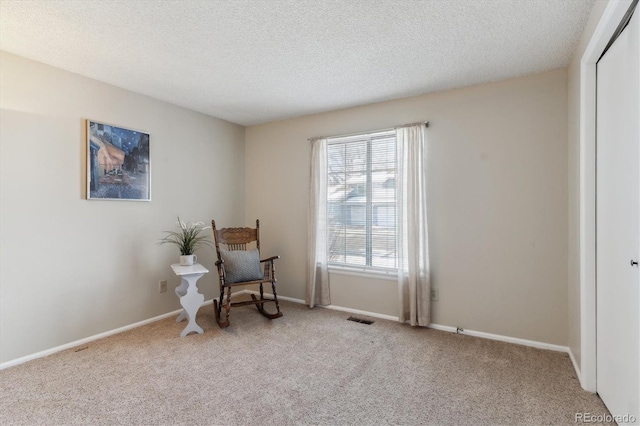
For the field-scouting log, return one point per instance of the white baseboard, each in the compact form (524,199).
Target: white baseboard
(443,328)
(518,341)
(332,307)
(576,367)
(292,299)
(490,336)
(359,312)
(86,340)
(501,338)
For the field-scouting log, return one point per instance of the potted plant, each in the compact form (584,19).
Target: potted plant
(188,239)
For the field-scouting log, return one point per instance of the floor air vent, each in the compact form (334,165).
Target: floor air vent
(360,320)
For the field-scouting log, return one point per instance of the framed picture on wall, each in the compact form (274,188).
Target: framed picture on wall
(118,163)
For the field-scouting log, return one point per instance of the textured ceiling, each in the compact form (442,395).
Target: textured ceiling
(253,61)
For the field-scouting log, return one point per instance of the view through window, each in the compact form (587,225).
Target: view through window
(362,224)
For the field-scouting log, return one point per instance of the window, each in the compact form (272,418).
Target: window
(361,201)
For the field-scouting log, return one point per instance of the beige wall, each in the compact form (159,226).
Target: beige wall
(574,181)
(497,203)
(72,268)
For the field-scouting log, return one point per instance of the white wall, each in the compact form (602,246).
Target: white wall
(497,201)
(574,181)
(72,268)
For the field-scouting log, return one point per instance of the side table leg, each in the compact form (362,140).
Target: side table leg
(191,302)
(181,290)
(182,316)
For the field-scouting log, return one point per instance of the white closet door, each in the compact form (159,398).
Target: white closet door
(618,211)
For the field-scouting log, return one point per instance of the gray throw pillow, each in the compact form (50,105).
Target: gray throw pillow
(241,265)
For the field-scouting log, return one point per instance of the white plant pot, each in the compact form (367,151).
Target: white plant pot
(188,259)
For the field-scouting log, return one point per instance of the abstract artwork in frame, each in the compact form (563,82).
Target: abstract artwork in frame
(118,163)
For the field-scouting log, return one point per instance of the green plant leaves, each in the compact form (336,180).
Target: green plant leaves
(188,239)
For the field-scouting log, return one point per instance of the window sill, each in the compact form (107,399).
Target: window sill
(366,273)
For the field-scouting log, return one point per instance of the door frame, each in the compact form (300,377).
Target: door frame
(611,18)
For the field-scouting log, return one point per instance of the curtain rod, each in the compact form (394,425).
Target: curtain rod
(426,124)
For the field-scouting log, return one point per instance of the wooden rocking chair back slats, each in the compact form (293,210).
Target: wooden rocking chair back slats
(239,239)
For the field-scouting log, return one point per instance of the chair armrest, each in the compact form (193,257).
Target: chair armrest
(272,258)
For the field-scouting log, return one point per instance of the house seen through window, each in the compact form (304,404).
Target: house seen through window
(362,224)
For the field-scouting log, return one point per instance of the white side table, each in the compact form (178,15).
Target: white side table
(190,299)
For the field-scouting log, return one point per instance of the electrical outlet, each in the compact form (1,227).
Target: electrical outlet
(163,286)
(435,294)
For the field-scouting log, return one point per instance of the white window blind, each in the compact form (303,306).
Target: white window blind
(362,223)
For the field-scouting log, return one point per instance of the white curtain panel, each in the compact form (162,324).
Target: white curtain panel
(318,274)
(413,249)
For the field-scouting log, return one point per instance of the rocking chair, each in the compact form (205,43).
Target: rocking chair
(238,265)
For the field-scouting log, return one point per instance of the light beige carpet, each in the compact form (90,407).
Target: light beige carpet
(311,366)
